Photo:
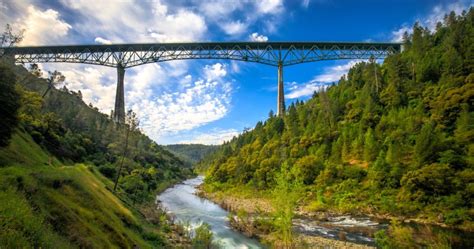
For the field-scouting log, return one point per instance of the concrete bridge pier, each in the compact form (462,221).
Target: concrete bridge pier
(119,111)
(281,91)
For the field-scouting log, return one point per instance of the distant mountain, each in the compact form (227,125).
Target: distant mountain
(191,153)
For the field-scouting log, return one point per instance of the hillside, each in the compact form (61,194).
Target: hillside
(191,153)
(58,167)
(393,139)
(51,206)
(75,133)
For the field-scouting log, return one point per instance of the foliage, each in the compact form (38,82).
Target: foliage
(55,78)
(73,132)
(67,207)
(8,104)
(191,153)
(285,195)
(202,238)
(9,38)
(393,138)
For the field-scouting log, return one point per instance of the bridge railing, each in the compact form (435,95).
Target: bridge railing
(270,53)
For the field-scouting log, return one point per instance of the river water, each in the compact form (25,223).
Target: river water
(181,202)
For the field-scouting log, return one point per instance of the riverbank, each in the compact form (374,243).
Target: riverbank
(185,207)
(250,216)
(329,227)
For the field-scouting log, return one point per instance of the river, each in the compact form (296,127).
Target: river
(181,201)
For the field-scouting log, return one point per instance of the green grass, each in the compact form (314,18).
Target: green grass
(23,151)
(53,206)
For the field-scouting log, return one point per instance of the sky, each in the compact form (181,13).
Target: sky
(210,101)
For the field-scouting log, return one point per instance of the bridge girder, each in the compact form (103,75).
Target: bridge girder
(122,56)
(269,53)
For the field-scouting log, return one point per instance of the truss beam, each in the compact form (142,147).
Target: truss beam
(270,53)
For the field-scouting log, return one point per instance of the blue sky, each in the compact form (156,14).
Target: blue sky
(208,101)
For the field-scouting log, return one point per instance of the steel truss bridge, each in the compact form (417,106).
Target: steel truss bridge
(122,56)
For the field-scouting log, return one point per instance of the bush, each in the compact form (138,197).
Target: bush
(108,171)
(456,217)
(202,237)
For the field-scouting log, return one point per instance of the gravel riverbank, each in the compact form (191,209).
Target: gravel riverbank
(259,206)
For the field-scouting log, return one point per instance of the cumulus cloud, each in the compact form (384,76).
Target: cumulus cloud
(227,15)
(199,102)
(101,40)
(167,96)
(319,82)
(215,71)
(258,38)
(217,10)
(270,6)
(234,27)
(126,21)
(430,21)
(97,84)
(42,27)
(304,90)
(334,73)
(182,26)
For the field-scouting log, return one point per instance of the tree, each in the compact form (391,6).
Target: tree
(30,106)
(370,146)
(35,70)
(425,142)
(9,105)
(286,194)
(131,125)
(9,38)
(55,78)
(307,168)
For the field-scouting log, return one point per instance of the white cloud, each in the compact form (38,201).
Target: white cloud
(270,6)
(197,103)
(182,26)
(97,84)
(217,10)
(319,82)
(258,38)
(397,35)
(127,21)
(439,11)
(267,14)
(168,98)
(101,40)
(234,27)
(42,27)
(214,137)
(215,71)
(298,91)
(334,73)
(430,21)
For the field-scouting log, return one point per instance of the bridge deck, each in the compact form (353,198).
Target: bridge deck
(270,53)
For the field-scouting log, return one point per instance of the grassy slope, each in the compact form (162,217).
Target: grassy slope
(59,206)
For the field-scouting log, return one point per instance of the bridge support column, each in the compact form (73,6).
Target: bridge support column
(119,112)
(281,91)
